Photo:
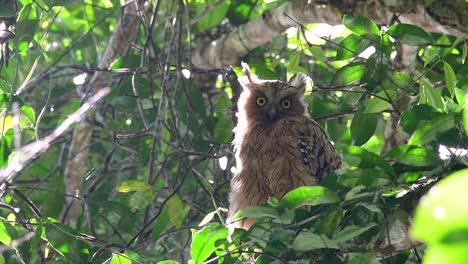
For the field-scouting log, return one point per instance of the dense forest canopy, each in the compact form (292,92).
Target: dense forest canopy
(117,119)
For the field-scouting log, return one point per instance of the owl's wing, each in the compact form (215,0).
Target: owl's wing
(318,154)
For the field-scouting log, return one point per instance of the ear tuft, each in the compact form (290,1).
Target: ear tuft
(249,78)
(300,81)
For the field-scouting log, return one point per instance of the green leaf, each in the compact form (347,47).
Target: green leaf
(141,199)
(351,232)
(465,52)
(330,222)
(465,116)
(441,253)
(317,52)
(363,127)
(64,239)
(168,262)
(7,233)
(204,241)
(349,73)
(28,111)
(377,104)
(26,25)
(450,78)
(351,46)
(307,241)
(308,195)
(360,25)
(443,210)
(214,16)
(418,157)
(177,210)
(410,34)
(429,2)
(366,159)
(411,118)
(132,186)
(120,259)
(257,212)
(429,95)
(432,129)
(223,130)
(359,258)
(365,177)
(129,61)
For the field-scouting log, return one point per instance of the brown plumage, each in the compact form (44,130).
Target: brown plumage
(278,147)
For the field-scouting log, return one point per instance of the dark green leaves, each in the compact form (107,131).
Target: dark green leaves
(410,34)
(349,73)
(216,12)
(64,239)
(307,241)
(363,127)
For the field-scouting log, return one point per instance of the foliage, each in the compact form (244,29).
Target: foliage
(156,191)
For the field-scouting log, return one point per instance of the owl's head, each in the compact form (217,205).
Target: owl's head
(271,100)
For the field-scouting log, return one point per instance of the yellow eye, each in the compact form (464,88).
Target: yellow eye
(261,101)
(286,103)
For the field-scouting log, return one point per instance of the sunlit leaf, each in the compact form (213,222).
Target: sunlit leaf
(360,25)
(204,241)
(443,211)
(351,46)
(28,111)
(409,34)
(349,73)
(308,195)
(307,241)
(7,233)
(168,262)
(465,116)
(465,52)
(432,129)
(176,210)
(132,186)
(430,96)
(450,78)
(413,156)
(120,259)
(257,212)
(378,104)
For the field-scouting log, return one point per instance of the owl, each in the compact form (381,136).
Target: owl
(277,146)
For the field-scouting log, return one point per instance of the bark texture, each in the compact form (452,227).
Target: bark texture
(119,44)
(439,17)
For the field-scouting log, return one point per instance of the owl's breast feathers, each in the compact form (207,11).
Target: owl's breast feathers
(274,159)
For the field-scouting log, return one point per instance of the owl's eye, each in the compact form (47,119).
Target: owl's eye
(261,101)
(286,103)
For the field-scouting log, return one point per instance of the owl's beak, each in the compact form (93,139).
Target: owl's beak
(272,113)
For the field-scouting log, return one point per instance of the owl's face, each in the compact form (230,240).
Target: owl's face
(271,100)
